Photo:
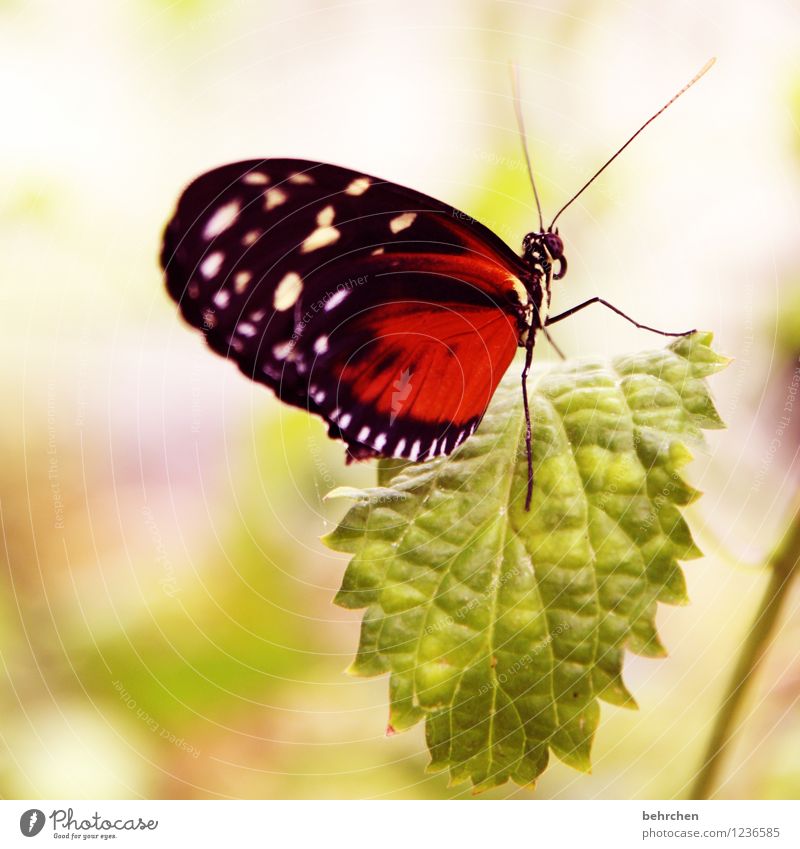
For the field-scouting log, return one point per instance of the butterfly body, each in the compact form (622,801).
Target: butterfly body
(388,313)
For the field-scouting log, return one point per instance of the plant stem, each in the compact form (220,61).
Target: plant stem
(783,565)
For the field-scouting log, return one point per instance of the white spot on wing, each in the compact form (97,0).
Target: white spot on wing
(269,371)
(345,420)
(274,197)
(415,451)
(251,237)
(321,345)
(255,178)
(363,434)
(401,446)
(282,350)
(320,238)
(377,252)
(335,299)
(380,441)
(246,329)
(402,222)
(222,219)
(288,291)
(211,264)
(222,298)
(241,280)
(324,234)
(301,179)
(326,216)
(358,186)
(319,396)
(432,453)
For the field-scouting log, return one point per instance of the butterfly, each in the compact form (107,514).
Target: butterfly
(386,312)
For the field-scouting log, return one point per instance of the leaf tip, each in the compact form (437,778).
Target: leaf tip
(351,492)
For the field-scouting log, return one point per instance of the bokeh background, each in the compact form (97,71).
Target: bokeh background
(166,618)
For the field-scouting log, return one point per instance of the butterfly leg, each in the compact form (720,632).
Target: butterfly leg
(567,313)
(528,358)
(553,344)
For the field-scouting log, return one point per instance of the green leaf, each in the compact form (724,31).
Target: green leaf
(502,628)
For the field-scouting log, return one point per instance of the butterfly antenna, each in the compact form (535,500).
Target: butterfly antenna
(669,103)
(521,125)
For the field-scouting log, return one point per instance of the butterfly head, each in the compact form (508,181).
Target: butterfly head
(544,249)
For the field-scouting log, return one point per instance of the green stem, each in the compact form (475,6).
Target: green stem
(783,565)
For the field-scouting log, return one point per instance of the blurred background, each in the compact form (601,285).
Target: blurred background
(166,618)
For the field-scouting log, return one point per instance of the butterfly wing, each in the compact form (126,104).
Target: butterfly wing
(388,313)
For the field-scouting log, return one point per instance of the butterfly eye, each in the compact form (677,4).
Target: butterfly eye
(554,245)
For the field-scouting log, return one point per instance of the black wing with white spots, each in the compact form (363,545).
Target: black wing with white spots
(388,313)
